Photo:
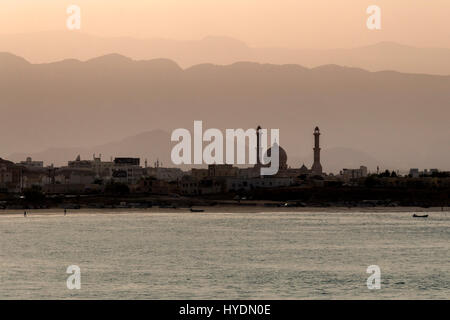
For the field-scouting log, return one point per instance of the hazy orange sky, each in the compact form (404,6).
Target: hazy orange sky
(285,23)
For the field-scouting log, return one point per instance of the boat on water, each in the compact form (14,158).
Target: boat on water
(420,216)
(197,210)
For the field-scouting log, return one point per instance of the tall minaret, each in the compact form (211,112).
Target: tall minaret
(316,167)
(258,145)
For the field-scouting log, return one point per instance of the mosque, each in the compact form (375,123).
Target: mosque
(284,170)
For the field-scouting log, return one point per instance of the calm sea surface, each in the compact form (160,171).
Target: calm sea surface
(224,255)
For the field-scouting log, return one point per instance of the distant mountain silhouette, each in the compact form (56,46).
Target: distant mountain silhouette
(223,50)
(12,61)
(400,119)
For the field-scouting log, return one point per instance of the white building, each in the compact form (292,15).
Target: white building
(349,174)
(102,169)
(127,170)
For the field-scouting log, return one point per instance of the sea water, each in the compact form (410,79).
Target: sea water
(312,254)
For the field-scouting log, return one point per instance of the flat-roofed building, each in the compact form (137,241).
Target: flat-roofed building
(349,174)
(29,163)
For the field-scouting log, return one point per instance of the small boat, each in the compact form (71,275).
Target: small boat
(197,210)
(420,216)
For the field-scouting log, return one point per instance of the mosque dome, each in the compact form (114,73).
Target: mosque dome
(282,156)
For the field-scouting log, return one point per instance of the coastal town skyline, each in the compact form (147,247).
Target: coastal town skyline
(84,175)
(344,156)
(159,158)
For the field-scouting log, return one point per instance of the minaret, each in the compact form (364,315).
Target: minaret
(258,145)
(316,167)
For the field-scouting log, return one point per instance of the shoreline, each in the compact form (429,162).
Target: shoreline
(221,209)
